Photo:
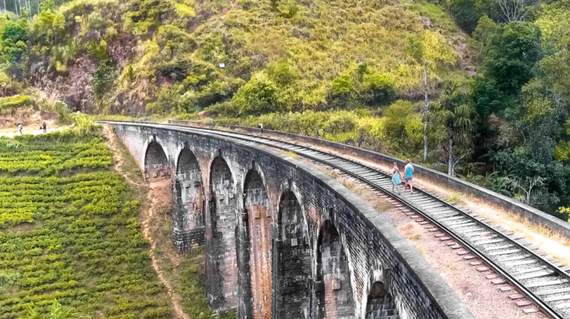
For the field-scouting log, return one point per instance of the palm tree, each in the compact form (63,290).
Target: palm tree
(456,115)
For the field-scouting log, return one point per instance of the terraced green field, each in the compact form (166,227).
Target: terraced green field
(68,232)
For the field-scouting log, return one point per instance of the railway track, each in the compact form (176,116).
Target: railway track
(542,282)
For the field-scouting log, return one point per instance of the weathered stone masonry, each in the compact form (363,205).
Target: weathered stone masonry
(189,221)
(284,241)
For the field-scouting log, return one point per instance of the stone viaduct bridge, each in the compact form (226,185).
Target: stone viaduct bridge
(281,239)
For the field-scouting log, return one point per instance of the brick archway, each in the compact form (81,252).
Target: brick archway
(334,288)
(156,164)
(189,202)
(293,262)
(221,261)
(258,237)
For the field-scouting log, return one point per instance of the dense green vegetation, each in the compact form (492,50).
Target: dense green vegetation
(68,232)
(148,56)
(484,82)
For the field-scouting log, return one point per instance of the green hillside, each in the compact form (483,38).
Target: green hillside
(69,234)
(146,56)
(485,82)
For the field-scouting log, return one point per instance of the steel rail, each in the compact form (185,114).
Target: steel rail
(329,159)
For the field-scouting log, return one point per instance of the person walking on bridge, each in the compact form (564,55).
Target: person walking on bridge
(396,179)
(409,175)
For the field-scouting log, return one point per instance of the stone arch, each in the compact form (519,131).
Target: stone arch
(293,261)
(379,302)
(188,212)
(156,164)
(221,261)
(256,239)
(334,288)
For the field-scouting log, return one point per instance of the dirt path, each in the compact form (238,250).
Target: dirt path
(158,199)
(31,120)
(158,195)
(117,155)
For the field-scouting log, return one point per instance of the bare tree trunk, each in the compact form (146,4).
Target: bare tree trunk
(4,6)
(426,110)
(450,163)
(513,10)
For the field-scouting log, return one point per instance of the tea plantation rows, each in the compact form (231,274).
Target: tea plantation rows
(68,232)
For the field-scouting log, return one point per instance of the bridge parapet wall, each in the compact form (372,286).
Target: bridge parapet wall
(344,243)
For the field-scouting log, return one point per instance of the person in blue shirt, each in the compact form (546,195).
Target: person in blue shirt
(409,175)
(396,178)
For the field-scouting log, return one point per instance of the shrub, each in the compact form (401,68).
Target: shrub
(147,15)
(342,86)
(85,124)
(63,114)
(380,88)
(102,79)
(157,313)
(8,86)
(403,125)
(257,96)
(282,72)
(11,103)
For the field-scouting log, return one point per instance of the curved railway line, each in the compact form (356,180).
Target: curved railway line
(541,281)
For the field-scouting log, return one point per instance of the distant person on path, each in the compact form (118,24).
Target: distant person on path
(20,128)
(409,174)
(44,127)
(396,178)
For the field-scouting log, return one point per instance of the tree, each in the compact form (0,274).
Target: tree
(465,14)
(429,51)
(513,10)
(14,40)
(454,112)
(402,127)
(102,79)
(539,184)
(527,185)
(485,31)
(510,57)
(415,48)
(258,96)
